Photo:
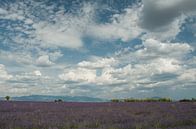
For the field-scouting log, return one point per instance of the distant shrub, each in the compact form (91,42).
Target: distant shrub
(150,100)
(165,100)
(193,99)
(115,100)
(130,100)
(59,100)
(7,98)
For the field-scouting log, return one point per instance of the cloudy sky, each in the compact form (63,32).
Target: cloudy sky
(102,48)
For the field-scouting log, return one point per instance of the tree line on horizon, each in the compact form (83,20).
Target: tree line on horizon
(7,98)
(152,100)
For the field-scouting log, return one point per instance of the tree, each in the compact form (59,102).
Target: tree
(7,98)
(59,100)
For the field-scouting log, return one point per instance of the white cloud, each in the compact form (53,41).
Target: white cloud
(28,21)
(3,73)
(158,48)
(80,74)
(27,59)
(11,14)
(188,75)
(154,51)
(152,60)
(24,58)
(123,26)
(44,61)
(128,74)
(32,77)
(37,73)
(133,69)
(2,11)
(14,16)
(55,55)
(51,35)
(86,72)
(161,65)
(26,83)
(98,63)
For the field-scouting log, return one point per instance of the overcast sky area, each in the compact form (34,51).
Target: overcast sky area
(98,48)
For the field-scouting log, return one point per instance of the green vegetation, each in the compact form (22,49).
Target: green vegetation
(151,100)
(188,100)
(7,98)
(143,100)
(59,100)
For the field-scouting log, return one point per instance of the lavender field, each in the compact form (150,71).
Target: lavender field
(72,115)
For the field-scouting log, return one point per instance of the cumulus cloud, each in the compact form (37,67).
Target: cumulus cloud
(160,65)
(158,13)
(188,75)
(37,73)
(4,74)
(96,63)
(87,72)
(51,35)
(157,64)
(79,74)
(2,11)
(123,26)
(55,55)
(34,78)
(24,58)
(152,65)
(154,48)
(44,61)
(25,83)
